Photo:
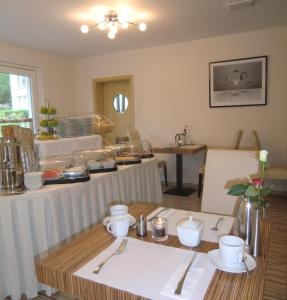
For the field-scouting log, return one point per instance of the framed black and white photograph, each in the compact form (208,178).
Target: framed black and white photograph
(238,82)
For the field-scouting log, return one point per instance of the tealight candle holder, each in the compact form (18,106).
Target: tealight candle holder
(159,229)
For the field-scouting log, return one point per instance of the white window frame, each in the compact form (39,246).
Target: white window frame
(35,82)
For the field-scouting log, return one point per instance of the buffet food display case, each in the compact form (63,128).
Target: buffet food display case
(97,161)
(126,154)
(145,148)
(62,169)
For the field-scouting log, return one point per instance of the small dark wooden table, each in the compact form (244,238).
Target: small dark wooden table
(179,190)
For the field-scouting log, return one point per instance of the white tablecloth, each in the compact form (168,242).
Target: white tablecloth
(35,221)
(67,145)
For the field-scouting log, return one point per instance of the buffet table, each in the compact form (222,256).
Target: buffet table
(35,221)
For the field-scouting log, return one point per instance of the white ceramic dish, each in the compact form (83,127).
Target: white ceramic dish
(238,268)
(132,220)
(190,231)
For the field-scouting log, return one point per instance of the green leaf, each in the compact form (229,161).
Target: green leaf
(250,191)
(265,192)
(237,190)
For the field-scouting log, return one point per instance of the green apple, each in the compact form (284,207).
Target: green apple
(53,123)
(43,110)
(52,110)
(44,123)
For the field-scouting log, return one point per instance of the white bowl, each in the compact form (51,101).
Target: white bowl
(33,180)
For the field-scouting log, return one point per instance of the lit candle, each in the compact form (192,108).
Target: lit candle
(159,229)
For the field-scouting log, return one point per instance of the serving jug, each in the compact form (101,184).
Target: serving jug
(11,171)
(179,139)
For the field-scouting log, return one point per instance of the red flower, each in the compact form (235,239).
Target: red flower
(257,182)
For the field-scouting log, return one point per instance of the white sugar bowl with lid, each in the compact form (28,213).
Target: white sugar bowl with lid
(190,231)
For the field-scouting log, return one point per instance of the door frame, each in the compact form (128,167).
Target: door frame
(130,78)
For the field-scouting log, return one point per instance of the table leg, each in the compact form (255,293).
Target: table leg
(179,190)
(179,175)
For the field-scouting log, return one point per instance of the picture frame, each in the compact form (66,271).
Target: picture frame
(238,82)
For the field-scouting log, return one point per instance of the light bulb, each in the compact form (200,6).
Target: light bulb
(114,28)
(142,26)
(123,18)
(125,25)
(85,28)
(102,26)
(111,35)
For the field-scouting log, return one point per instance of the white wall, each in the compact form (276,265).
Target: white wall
(171,89)
(56,74)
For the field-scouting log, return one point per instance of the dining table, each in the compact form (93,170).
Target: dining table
(59,268)
(179,151)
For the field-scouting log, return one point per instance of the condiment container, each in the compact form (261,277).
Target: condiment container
(141,226)
(190,232)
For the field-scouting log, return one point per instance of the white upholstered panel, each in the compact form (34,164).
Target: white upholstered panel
(221,167)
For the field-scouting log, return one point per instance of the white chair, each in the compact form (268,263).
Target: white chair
(134,135)
(222,167)
(235,145)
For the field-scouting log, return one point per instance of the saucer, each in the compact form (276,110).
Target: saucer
(215,258)
(132,220)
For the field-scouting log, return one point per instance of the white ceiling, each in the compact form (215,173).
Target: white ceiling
(53,25)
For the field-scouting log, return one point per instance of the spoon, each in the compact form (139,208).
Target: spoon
(215,228)
(244,258)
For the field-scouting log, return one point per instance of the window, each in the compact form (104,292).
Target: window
(18,103)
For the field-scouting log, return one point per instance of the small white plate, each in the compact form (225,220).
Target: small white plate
(239,268)
(132,220)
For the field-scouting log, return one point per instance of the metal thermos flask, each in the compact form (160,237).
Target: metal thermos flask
(141,226)
(11,171)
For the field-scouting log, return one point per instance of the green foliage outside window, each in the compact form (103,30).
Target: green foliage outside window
(5,93)
(14,114)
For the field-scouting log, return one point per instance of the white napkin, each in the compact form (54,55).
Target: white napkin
(144,269)
(189,286)
(174,216)
(196,282)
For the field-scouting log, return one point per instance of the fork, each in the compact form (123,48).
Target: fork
(156,215)
(215,228)
(120,250)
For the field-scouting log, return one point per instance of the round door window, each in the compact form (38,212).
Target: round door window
(120,103)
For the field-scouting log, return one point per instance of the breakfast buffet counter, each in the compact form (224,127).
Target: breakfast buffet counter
(33,222)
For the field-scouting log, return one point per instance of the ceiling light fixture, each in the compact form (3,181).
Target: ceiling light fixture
(238,4)
(113,20)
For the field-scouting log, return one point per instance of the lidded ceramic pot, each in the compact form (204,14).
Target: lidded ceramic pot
(190,231)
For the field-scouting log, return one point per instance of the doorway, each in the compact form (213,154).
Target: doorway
(113,98)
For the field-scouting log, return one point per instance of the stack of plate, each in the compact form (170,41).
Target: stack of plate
(73,127)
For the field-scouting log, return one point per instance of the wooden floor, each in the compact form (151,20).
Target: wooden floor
(276,277)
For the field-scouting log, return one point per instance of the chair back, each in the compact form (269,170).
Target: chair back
(237,139)
(256,141)
(223,168)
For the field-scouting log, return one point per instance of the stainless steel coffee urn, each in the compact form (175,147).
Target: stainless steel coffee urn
(11,170)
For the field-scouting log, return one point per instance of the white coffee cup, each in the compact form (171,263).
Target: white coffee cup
(119,225)
(119,209)
(231,249)
(33,180)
